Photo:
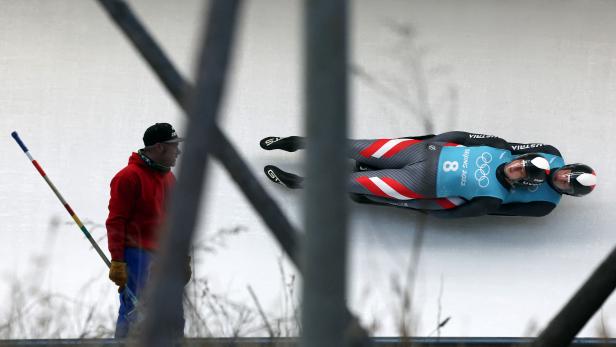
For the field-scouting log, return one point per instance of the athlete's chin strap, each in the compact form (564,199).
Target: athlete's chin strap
(151,163)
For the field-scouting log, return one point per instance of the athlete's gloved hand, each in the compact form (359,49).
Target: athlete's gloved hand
(118,273)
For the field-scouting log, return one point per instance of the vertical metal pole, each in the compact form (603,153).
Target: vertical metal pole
(164,316)
(324,313)
(582,306)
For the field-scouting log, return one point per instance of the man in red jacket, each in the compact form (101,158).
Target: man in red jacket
(136,211)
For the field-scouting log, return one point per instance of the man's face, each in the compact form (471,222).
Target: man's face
(515,170)
(169,153)
(561,179)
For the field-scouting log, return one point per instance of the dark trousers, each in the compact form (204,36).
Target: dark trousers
(138,262)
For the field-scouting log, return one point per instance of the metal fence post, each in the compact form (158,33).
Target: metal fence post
(324,285)
(164,319)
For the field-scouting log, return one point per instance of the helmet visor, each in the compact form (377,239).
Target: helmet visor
(562,181)
(573,182)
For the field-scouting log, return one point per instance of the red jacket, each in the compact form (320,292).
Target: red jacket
(136,207)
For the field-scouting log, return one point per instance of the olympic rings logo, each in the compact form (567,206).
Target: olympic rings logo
(483,169)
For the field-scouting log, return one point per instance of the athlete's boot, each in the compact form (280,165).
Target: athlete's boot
(289,144)
(286,179)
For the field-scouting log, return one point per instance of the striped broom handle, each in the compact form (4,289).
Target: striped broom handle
(70,210)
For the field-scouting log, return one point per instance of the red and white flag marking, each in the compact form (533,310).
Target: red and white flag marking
(389,188)
(387,148)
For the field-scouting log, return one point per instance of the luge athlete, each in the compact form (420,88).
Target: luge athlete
(454,174)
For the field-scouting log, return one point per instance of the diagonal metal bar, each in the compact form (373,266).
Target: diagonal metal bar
(148,48)
(582,306)
(164,319)
(236,166)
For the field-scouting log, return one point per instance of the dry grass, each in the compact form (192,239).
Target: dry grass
(34,312)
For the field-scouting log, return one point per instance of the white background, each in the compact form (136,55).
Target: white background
(527,71)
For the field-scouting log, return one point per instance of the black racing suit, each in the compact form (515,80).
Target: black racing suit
(477,206)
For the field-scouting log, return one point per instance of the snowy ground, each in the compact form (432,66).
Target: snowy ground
(526,71)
